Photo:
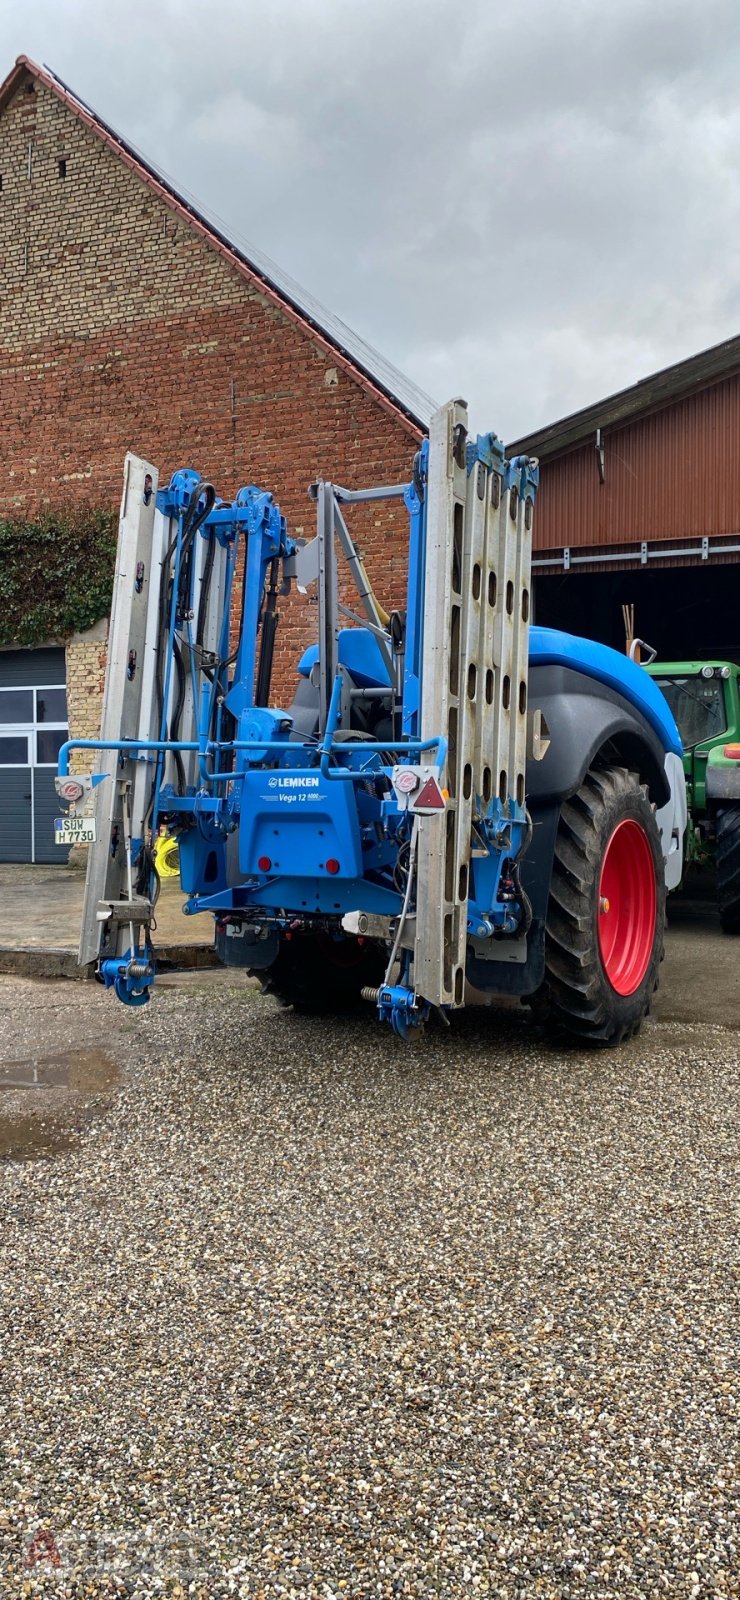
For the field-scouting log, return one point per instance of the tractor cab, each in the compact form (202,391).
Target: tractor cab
(705,700)
(704,697)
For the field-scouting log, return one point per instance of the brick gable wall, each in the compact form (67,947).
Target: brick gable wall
(121,328)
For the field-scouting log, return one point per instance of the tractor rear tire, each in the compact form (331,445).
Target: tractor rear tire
(606,913)
(728,868)
(319,976)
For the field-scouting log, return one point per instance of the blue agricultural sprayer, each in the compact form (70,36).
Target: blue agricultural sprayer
(454,798)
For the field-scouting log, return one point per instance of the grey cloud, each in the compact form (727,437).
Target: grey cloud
(530,203)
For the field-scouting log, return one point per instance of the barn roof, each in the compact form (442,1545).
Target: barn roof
(386,384)
(628,405)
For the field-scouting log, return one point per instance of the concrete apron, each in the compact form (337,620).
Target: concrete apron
(40,928)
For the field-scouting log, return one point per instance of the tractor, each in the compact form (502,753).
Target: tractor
(704,697)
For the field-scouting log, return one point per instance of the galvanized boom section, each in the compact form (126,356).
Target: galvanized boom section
(504,721)
(129,682)
(441,914)
(474,682)
(138,704)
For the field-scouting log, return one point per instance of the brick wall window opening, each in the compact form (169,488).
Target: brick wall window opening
(30,86)
(62,166)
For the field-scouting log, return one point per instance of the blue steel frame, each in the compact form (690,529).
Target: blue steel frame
(339,849)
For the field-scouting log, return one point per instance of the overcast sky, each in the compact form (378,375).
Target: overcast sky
(531,202)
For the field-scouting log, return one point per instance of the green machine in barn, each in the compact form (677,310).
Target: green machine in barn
(704,697)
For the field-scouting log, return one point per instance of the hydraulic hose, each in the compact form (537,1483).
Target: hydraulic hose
(406,903)
(193,519)
(267,638)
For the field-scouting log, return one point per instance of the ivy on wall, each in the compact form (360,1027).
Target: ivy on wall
(56,573)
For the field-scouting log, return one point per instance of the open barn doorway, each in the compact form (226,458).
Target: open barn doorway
(687,612)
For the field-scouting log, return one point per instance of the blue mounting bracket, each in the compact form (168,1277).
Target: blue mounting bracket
(401,1007)
(130,976)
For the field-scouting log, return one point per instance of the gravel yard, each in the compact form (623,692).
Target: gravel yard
(291,1309)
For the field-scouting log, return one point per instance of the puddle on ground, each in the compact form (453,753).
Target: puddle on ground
(87,1071)
(54,1122)
(31,1138)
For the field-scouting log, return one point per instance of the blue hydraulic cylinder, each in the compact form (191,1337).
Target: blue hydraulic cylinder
(267,537)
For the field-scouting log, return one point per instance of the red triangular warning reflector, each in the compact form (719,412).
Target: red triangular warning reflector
(429,798)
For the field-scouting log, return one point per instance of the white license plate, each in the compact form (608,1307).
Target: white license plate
(74,830)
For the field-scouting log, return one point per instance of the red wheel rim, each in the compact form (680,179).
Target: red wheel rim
(627,906)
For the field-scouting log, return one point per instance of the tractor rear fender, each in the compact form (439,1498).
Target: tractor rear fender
(585,720)
(588,721)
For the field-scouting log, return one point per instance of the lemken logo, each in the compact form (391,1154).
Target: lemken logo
(293,783)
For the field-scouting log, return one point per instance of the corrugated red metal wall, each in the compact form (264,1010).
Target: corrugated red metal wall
(670,476)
